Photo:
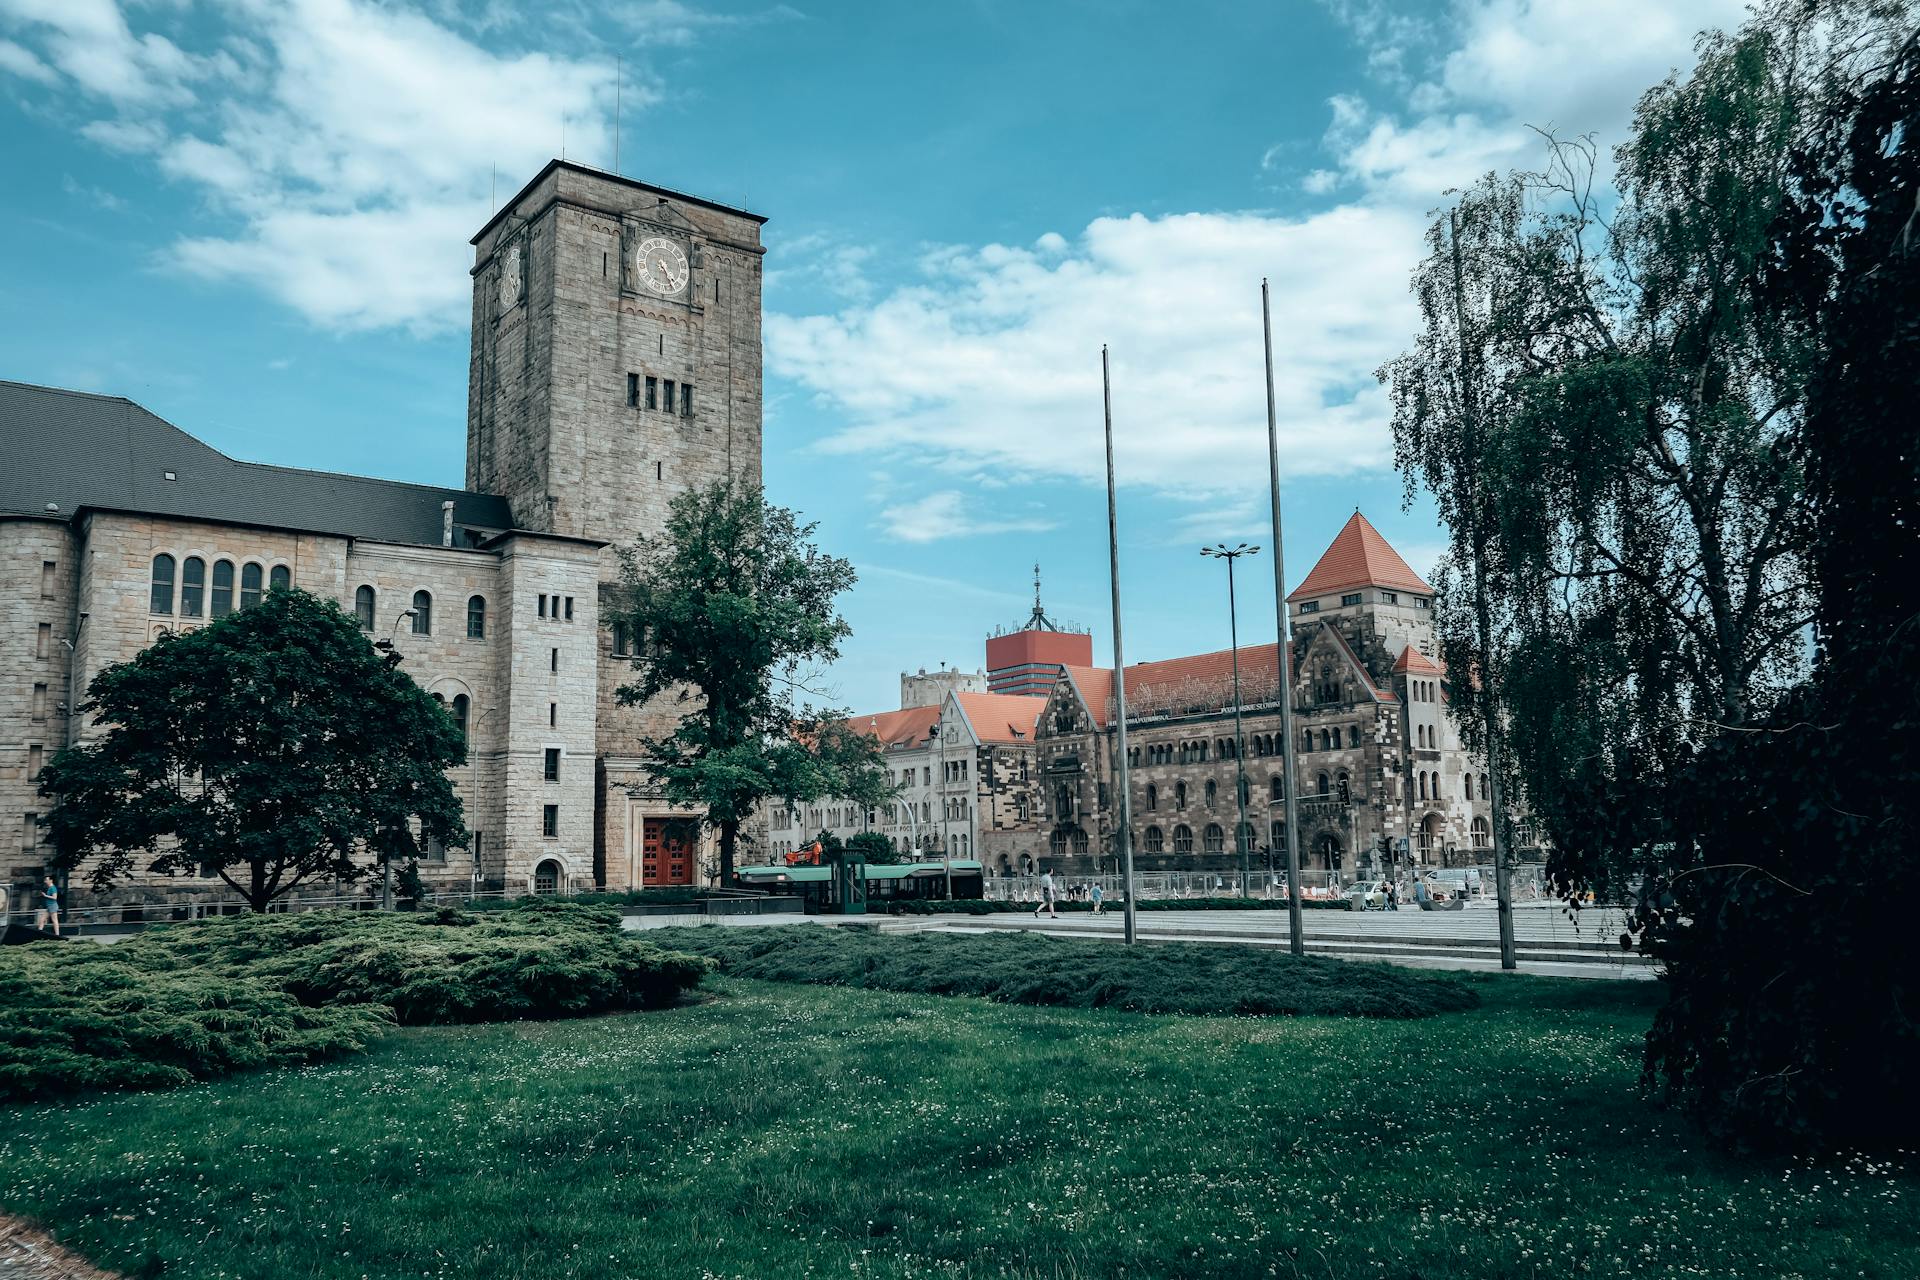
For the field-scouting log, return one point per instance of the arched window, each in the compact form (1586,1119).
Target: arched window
(1058,843)
(1306,739)
(162,601)
(1480,832)
(546,877)
(1179,795)
(280,579)
(1183,839)
(477,618)
(193,586)
(1423,784)
(1353,735)
(1156,841)
(1326,784)
(1213,793)
(462,704)
(1246,837)
(1326,741)
(1079,843)
(250,577)
(1275,791)
(422,614)
(1484,792)
(1153,797)
(1277,833)
(1063,801)
(1344,787)
(1214,838)
(220,601)
(363,607)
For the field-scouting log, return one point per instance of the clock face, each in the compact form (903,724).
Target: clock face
(661,265)
(510,278)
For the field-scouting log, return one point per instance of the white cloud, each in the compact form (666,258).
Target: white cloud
(950,514)
(352,144)
(18,61)
(90,42)
(990,366)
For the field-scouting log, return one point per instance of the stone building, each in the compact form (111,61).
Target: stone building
(965,779)
(615,361)
(928,688)
(1379,759)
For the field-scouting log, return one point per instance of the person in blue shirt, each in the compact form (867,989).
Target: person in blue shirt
(49,913)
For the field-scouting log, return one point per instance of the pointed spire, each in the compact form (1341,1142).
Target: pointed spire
(1359,557)
(1039,621)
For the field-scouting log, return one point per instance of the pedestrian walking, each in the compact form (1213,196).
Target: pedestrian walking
(48,916)
(1046,895)
(1099,896)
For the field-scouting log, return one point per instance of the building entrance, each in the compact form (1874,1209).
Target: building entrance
(666,852)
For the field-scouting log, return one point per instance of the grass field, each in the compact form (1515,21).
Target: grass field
(781,1130)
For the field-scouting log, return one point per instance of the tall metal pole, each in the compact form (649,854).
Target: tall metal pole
(1239,738)
(1290,775)
(1124,835)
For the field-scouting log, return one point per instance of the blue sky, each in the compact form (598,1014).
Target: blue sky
(252,218)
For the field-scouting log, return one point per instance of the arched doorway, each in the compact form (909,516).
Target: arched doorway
(546,877)
(1429,837)
(1326,851)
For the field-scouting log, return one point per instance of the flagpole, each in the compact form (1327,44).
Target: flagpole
(1290,775)
(1124,835)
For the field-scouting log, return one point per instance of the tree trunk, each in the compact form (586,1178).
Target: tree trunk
(257,896)
(729,834)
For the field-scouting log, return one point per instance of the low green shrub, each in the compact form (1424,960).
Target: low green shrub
(192,1001)
(997,906)
(1031,968)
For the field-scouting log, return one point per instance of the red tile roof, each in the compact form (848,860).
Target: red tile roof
(1002,717)
(1359,557)
(1416,662)
(897,728)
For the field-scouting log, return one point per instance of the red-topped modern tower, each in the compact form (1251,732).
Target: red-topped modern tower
(1028,661)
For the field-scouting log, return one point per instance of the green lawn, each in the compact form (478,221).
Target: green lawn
(780,1130)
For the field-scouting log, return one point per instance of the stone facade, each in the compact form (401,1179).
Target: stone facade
(508,636)
(964,776)
(1381,774)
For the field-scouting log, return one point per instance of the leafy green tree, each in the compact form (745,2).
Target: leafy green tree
(271,747)
(732,608)
(875,848)
(1792,980)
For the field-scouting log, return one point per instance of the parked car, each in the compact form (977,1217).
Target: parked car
(1368,895)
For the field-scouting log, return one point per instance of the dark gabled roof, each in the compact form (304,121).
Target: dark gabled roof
(78,450)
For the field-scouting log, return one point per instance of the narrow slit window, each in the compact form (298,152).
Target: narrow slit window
(633,391)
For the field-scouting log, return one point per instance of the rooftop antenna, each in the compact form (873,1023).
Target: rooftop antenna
(563,137)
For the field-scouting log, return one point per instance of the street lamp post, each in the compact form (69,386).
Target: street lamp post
(1220,551)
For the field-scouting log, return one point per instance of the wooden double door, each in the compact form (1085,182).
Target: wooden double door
(667,851)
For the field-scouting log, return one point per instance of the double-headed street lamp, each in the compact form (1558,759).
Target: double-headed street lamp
(1220,551)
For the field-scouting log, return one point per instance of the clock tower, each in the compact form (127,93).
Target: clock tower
(615,363)
(616,352)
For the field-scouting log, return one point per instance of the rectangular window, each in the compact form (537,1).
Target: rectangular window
(666,400)
(554,658)
(1389,597)
(553,715)
(653,392)
(619,639)
(686,399)
(543,605)
(553,764)
(36,757)
(656,472)
(1310,606)
(550,821)
(569,608)
(1350,598)
(633,391)
(43,641)
(39,702)
(1421,602)
(29,832)
(48,570)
